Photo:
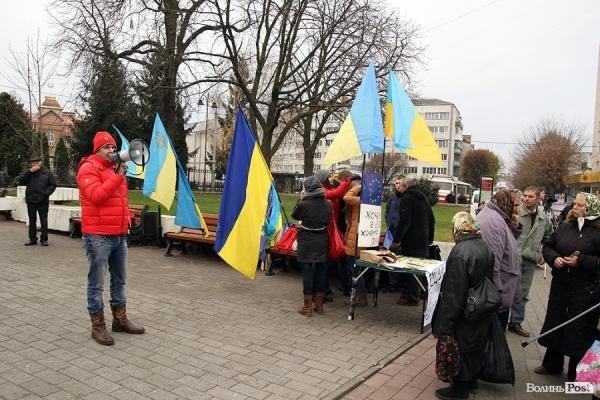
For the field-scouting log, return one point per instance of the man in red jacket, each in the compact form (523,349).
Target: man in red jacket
(104,224)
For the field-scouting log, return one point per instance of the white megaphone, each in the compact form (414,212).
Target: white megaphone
(138,153)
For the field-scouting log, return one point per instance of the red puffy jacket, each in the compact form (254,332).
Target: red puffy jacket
(103,197)
(335,195)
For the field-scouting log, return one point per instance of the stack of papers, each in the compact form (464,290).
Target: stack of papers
(414,263)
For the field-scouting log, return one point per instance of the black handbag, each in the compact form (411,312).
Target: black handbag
(483,300)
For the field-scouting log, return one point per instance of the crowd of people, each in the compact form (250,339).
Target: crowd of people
(509,238)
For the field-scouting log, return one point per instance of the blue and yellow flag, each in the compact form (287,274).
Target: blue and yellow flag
(406,125)
(160,180)
(133,170)
(362,131)
(188,213)
(244,202)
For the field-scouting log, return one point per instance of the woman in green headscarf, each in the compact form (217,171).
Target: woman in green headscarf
(468,264)
(573,252)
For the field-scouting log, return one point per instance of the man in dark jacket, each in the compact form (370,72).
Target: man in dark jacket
(414,233)
(40,185)
(392,218)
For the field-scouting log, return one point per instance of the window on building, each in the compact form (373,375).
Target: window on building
(438,129)
(429,170)
(50,136)
(444,157)
(441,171)
(318,154)
(443,143)
(437,115)
(328,142)
(410,170)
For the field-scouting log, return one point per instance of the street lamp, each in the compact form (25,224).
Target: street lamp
(214,106)
(204,163)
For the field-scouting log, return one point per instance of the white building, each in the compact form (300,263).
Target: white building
(595,163)
(443,119)
(201,147)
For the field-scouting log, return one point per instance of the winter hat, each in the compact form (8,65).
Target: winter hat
(322,175)
(103,138)
(311,184)
(35,157)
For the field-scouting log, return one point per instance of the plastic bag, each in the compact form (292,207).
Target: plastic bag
(497,365)
(337,249)
(287,242)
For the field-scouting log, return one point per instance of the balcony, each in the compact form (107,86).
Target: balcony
(457,151)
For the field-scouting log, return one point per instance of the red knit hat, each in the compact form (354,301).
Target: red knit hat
(103,138)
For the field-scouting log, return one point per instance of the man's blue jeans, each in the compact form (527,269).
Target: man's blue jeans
(517,313)
(105,253)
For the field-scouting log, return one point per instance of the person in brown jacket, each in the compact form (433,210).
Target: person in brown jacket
(352,200)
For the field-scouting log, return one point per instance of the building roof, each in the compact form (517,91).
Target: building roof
(50,102)
(431,102)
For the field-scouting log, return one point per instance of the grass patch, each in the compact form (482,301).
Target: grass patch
(211,202)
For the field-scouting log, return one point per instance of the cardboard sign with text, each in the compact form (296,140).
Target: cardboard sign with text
(369,226)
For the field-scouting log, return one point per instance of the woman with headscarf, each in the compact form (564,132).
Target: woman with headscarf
(468,264)
(500,228)
(313,212)
(573,252)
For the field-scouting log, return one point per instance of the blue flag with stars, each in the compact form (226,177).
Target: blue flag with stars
(369,227)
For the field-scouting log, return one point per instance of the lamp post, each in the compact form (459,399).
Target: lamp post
(214,106)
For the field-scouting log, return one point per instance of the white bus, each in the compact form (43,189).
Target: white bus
(446,185)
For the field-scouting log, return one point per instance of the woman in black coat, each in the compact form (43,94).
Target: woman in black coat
(313,212)
(573,252)
(468,264)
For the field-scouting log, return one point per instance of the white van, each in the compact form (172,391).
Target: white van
(474,202)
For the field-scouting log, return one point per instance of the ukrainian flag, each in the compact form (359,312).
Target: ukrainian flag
(160,180)
(133,170)
(244,202)
(362,131)
(188,213)
(408,128)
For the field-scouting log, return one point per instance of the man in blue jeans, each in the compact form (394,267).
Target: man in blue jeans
(536,229)
(104,224)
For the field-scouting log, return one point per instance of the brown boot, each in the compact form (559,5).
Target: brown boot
(99,332)
(306,309)
(121,323)
(320,299)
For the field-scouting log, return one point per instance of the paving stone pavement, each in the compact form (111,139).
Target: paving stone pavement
(210,332)
(412,374)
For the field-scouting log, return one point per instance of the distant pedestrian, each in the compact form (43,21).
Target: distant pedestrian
(573,252)
(3,182)
(468,264)
(450,198)
(313,212)
(40,185)
(500,228)
(536,230)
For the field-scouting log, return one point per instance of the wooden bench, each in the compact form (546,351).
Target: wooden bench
(191,235)
(138,211)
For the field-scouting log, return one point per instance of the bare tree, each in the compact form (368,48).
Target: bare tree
(158,35)
(305,58)
(32,71)
(549,151)
(390,165)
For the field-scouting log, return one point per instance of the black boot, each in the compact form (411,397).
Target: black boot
(458,390)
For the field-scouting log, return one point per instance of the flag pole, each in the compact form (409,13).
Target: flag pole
(355,278)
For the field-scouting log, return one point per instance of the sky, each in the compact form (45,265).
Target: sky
(505,64)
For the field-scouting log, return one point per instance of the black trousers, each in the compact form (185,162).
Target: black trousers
(554,361)
(503,319)
(314,277)
(32,210)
